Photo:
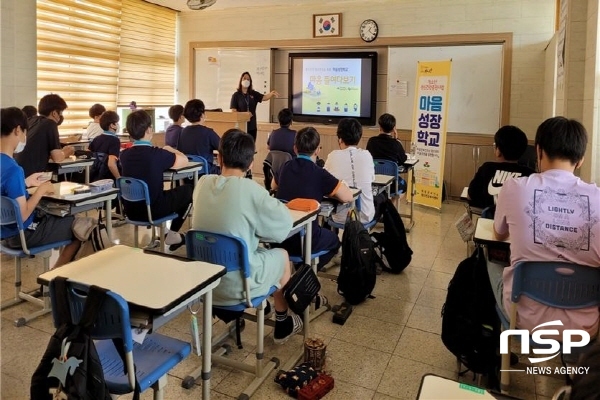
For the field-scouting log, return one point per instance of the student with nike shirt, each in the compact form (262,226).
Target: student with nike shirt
(509,145)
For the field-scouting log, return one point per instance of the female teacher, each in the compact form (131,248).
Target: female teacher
(246,99)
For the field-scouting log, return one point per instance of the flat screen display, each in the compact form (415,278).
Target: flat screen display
(326,87)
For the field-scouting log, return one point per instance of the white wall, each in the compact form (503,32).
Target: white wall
(531,21)
(591,95)
(18,60)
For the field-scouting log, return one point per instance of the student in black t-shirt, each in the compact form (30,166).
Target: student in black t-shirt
(146,162)
(302,178)
(106,148)
(42,136)
(385,146)
(510,143)
(246,99)
(197,139)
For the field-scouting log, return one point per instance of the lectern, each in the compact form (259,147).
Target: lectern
(222,121)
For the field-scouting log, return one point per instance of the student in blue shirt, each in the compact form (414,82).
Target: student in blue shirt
(302,178)
(282,139)
(148,163)
(197,139)
(106,148)
(40,228)
(174,131)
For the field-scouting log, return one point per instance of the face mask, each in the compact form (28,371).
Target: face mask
(60,120)
(20,146)
(246,83)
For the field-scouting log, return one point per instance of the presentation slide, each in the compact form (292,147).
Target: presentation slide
(331,87)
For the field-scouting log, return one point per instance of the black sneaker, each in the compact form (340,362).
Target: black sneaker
(173,247)
(284,330)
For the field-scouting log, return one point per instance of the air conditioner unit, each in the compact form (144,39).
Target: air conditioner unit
(200,4)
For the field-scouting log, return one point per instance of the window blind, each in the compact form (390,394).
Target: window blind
(78,55)
(147,55)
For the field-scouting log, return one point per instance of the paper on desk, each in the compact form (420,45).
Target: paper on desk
(139,334)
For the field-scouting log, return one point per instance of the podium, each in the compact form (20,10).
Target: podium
(222,121)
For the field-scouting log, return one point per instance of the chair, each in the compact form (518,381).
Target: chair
(232,253)
(200,159)
(339,225)
(11,215)
(135,190)
(148,362)
(554,284)
(390,168)
(273,163)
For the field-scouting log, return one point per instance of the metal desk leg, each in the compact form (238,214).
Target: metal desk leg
(87,174)
(206,344)
(109,232)
(195,177)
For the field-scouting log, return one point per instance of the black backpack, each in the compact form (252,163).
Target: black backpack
(86,379)
(470,325)
(391,244)
(357,271)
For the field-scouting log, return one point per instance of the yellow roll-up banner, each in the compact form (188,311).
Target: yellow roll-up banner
(429,130)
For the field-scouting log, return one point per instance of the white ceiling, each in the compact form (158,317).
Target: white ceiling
(181,5)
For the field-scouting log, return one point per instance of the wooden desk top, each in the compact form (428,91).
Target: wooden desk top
(63,192)
(383,180)
(435,387)
(484,232)
(154,282)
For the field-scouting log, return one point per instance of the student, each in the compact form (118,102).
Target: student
(94,129)
(354,166)
(231,205)
(282,139)
(148,163)
(386,146)
(302,178)
(30,111)
(40,228)
(550,216)
(174,131)
(106,148)
(42,136)
(245,98)
(197,139)
(509,145)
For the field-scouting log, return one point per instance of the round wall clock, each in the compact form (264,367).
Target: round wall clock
(368,30)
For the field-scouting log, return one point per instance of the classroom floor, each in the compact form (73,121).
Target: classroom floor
(381,353)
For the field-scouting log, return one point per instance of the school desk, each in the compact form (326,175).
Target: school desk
(140,277)
(70,165)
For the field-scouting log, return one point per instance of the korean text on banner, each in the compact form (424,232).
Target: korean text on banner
(429,130)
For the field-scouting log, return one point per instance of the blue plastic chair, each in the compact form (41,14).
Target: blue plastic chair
(136,190)
(232,253)
(554,284)
(339,225)
(389,168)
(10,214)
(148,362)
(200,159)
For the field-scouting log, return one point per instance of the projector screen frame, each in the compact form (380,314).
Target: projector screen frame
(369,120)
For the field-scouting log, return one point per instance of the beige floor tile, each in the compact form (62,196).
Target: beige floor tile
(548,385)
(445,265)
(385,309)
(425,347)
(438,280)
(357,364)
(434,298)
(12,388)
(381,396)
(371,333)
(389,287)
(402,377)
(426,319)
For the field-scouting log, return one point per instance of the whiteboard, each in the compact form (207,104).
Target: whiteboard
(218,73)
(475,85)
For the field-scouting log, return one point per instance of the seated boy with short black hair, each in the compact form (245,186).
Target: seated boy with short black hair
(106,148)
(302,178)
(386,146)
(510,143)
(146,162)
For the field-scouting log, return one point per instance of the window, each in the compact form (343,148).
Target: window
(105,51)
(147,69)
(78,55)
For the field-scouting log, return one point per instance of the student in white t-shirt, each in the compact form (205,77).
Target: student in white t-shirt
(94,128)
(354,166)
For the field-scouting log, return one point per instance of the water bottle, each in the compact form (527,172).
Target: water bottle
(413,150)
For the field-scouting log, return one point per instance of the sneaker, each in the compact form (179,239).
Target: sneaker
(175,246)
(284,330)
(320,301)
